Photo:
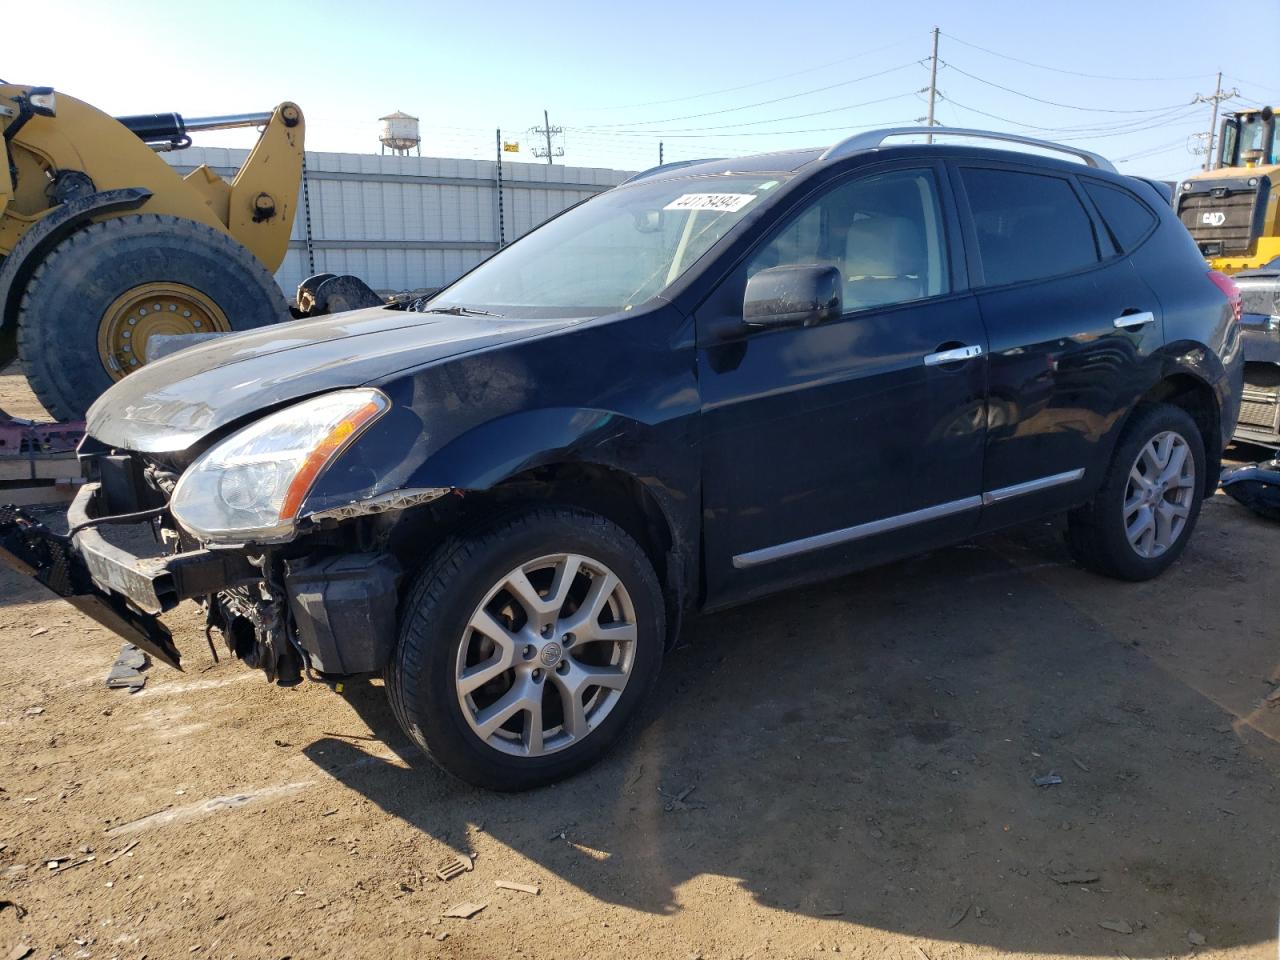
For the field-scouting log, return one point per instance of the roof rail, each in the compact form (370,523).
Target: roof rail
(673,165)
(872,139)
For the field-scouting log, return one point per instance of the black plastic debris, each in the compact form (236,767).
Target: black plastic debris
(126,672)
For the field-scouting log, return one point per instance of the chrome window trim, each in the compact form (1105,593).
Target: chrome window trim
(755,558)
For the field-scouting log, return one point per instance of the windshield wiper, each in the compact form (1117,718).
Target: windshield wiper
(460,311)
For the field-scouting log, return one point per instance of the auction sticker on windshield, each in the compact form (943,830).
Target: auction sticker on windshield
(725,202)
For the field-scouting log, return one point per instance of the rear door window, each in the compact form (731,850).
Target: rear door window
(1127,217)
(1028,225)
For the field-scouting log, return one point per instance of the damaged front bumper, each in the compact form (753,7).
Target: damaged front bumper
(333,613)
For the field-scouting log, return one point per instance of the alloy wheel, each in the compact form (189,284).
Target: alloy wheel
(546,655)
(1159,494)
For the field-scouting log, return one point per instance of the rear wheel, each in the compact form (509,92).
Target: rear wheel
(100,295)
(524,649)
(1141,518)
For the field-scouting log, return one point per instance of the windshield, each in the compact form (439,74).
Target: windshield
(611,253)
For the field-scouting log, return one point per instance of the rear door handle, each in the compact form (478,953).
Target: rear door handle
(1133,320)
(952,356)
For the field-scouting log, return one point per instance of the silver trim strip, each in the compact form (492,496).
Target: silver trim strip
(833,537)
(1031,486)
(754,558)
(1134,320)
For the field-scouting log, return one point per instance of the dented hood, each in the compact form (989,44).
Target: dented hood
(172,403)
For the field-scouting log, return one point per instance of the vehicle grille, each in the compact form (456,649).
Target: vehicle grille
(1258,414)
(1223,223)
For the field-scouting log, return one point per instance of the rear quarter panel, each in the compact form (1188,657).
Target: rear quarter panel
(1201,336)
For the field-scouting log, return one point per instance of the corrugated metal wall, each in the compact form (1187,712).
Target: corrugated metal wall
(410,223)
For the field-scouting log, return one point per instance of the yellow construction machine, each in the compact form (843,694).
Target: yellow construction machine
(1233,212)
(1233,208)
(103,245)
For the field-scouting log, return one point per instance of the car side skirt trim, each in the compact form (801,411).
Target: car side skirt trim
(831,538)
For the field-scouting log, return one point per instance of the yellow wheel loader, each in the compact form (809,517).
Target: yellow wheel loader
(103,245)
(1233,212)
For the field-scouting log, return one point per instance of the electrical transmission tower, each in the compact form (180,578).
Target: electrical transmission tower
(1215,98)
(547,131)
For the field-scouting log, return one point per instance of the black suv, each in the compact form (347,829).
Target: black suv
(721,379)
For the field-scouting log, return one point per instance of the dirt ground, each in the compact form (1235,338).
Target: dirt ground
(855,762)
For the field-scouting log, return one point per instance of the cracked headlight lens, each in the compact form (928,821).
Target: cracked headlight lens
(250,486)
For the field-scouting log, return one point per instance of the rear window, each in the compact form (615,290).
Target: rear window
(1127,217)
(1028,225)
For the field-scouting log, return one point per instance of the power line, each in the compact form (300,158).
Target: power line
(754,83)
(1073,73)
(749,133)
(756,123)
(748,106)
(1052,103)
(1085,132)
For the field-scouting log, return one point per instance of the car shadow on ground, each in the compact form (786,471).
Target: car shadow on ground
(868,750)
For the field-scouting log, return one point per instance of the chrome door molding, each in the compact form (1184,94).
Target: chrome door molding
(792,548)
(1031,486)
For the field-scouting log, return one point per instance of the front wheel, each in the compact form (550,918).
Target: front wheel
(1141,518)
(525,648)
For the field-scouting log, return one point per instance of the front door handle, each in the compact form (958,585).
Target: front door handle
(1131,321)
(952,356)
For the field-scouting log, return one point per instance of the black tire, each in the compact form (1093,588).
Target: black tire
(1096,534)
(70,292)
(420,678)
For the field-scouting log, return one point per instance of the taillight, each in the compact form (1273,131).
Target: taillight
(1229,290)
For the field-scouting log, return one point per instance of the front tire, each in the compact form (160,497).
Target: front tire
(526,647)
(1140,520)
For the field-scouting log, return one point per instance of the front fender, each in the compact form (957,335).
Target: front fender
(484,456)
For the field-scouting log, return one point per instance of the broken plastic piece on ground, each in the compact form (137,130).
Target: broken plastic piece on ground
(519,887)
(126,672)
(465,910)
(1048,780)
(455,867)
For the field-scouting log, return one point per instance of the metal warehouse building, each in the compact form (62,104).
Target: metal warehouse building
(405,223)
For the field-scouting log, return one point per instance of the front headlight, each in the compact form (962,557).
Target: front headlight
(251,486)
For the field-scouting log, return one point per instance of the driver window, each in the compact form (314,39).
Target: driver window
(883,233)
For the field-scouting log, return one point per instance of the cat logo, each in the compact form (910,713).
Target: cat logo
(1213,218)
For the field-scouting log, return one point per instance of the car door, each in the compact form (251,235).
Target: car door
(1071,324)
(834,446)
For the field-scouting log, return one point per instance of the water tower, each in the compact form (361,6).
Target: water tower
(400,134)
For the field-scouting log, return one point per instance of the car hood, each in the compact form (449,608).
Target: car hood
(172,403)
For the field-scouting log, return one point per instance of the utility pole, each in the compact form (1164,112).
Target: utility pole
(548,131)
(502,238)
(659,153)
(933,82)
(1210,160)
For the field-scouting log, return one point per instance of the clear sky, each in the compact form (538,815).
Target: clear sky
(708,78)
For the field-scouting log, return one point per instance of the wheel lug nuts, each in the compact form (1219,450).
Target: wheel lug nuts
(528,651)
(568,639)
(562,667)
(537,676)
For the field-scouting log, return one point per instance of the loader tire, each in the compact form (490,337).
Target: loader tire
(91,305)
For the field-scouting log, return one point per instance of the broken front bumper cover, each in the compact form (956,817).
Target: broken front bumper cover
(119,590)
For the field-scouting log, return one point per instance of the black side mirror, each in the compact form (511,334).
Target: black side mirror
(800,295)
